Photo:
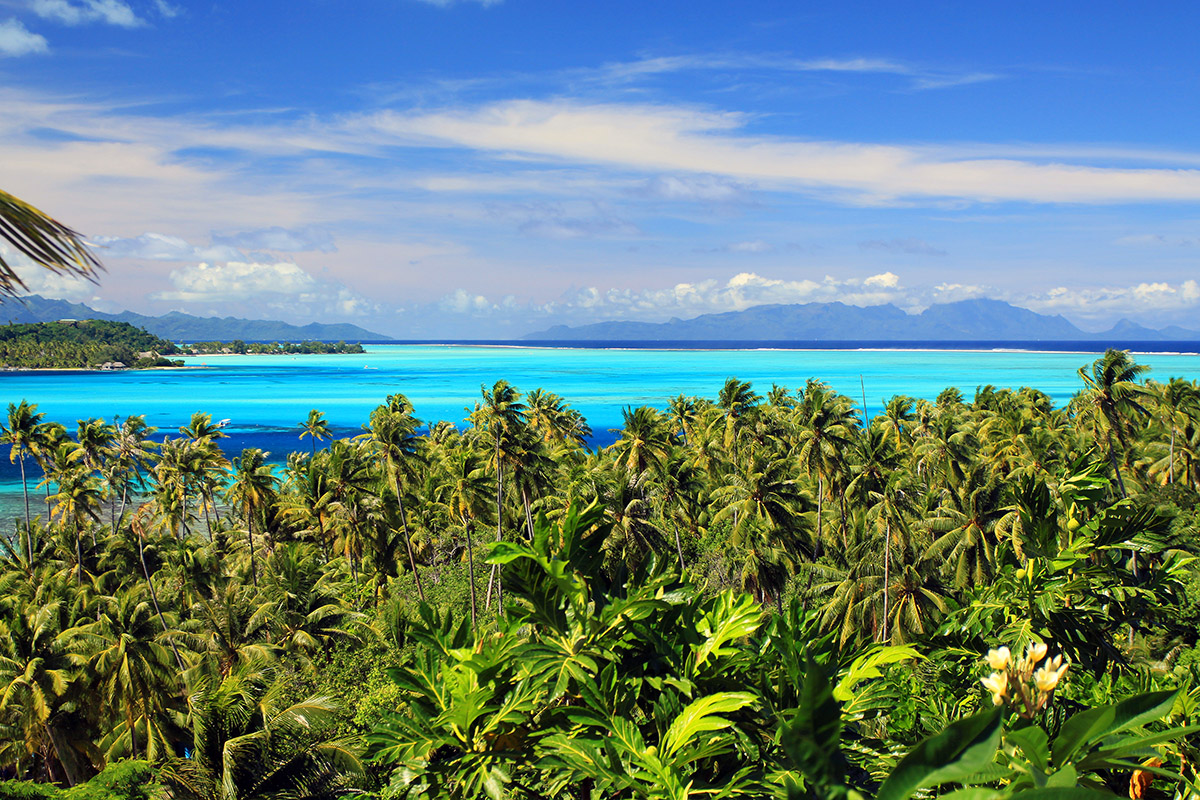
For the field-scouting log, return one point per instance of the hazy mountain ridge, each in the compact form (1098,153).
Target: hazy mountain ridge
(179,326)
(965,320)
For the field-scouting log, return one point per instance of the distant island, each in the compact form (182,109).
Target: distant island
(180,327)
(239,347)
(82,344)
(966,320)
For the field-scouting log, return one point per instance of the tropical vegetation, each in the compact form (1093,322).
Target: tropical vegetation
(749,595)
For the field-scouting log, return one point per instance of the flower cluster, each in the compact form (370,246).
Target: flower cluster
(1022,683)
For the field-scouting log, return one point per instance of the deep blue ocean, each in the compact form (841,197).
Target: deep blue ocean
(266,397)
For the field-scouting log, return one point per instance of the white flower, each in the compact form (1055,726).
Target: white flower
(1050,674)
(999,659)
(997,684)
(1035,654)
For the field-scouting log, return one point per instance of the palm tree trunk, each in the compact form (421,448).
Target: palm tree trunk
(250,542)
(1171,456)
(154,599)
(495,579)
(1112,457)
(25,490)
(471,571)
(528,511)
(78,554)
(678,546)
(887,575)
(412,561)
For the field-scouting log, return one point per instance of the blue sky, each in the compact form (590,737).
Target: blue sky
(464,169)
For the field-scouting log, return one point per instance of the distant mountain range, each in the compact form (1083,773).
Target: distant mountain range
(180,327)
(967,320)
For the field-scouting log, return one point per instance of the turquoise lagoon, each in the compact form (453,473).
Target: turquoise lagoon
(266,397)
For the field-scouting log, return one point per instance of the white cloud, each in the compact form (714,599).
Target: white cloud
(237,280)
(166,9)
(1105,303)
(674,139)
(280,240)
(161,247)
(17,40)
(701,188)
(257,289)
(111,12)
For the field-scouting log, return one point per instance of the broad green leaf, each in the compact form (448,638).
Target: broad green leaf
(954,755)
(868,666)
(1034,745)
(1095,724)
(700,716)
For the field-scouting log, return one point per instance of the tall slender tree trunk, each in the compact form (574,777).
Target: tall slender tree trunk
(528,511)
(1171,456)
(496,580)
(250,541)
(678,546)
(1112,458)
(468,525)
(887,576)
(412,561)
(25,489)
(154,599)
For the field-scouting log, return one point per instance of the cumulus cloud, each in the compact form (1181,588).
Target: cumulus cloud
(910,246)
(161,247)
(236,280)
(17,40)
(281,240)
(110,12)
(1107,302)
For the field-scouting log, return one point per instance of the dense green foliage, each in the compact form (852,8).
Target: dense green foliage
(269,348)
(80,345)
(744,596)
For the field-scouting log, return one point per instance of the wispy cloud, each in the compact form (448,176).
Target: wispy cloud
(449,3)
(110,12)
(679,139)
(917,77)
(17,40)
(909,246)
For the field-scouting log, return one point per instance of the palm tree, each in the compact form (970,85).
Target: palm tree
(394,435)
(889,510)
(644,441)
(500,415)
(252,489)
(249,742)
(20,431)
(45,242)
(133,668)
(40,649)
(316,428)
(463,493)
(827,426)
(737,400)
(1109,396)
(1174,400)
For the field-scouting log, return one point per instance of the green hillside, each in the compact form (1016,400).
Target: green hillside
(81,344)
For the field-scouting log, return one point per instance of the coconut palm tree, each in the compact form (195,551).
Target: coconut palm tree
(393,431)
(316,428)
(249,742)
(20,432)
(463,493)
(1110,395)
(133,670)
(252,489)
(47,243)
